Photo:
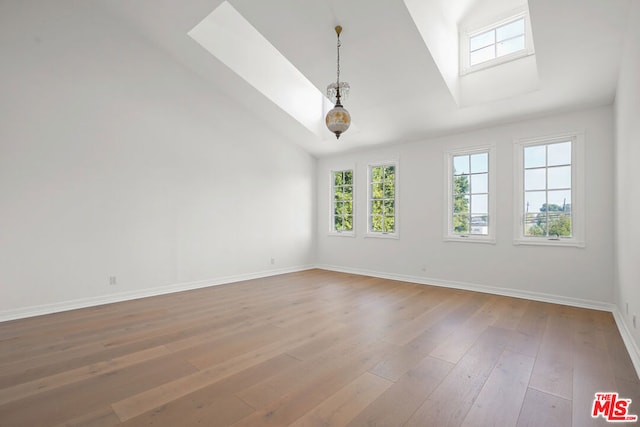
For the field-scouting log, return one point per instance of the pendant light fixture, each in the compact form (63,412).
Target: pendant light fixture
(338,118)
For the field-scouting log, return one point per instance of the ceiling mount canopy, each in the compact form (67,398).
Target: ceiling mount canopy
(338,118)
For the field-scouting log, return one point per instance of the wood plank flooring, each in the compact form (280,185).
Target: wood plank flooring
(314,348)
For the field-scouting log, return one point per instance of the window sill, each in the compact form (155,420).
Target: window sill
(342,233)
(470,239)
(549,242)
(495,62)
(382,235)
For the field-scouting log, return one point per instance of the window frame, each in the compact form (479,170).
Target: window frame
(332,230)
(396,211)
(449,235)
(577,191)
(467,34)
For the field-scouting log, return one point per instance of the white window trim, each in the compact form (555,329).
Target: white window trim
(333,232)
(449,236)
(467,33)
(377,234)
(577,191)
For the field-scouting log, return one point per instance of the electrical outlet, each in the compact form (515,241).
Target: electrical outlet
(634,322)
(273,261)
(113,280)
(627,308)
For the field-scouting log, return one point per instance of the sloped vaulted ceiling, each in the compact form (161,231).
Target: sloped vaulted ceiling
(400,57)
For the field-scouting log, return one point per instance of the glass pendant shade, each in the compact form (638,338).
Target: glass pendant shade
(334,88)
(338,120)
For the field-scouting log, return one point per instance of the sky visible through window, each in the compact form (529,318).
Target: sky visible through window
(497,42)
(547,189)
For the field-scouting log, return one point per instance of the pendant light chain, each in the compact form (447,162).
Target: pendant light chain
(339,44)
(338,71)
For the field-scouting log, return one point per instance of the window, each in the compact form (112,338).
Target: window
(547,186)
(342,202)
(499,42)
(469,193)
(383,206)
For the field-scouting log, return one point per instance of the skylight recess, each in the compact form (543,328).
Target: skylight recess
(228,36)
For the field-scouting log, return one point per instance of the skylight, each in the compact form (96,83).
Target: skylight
(228,36)
(499,42)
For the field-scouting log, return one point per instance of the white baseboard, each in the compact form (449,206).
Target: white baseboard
(627,337)
(632,347)
(535,296)
(39,310)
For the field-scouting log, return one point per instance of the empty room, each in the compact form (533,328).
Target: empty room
(319,213)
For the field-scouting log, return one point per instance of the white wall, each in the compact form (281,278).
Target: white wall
(571,273)
(627,206)
(116,161)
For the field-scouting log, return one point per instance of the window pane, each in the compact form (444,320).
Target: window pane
(480,183)
(534,201)
(479,224)
(461,223)
(560,177)
(348,177)
(481,40)
(348,192)
(376,207)
(460,204)
(376,223)
(559,200)
(460,165)
(339,209)
(337,222)
(389,191)
(479,204)
(347,222)
(480,163)
(389,207)
(338,178)
(535,156)
(534,179)
(509,46)
(389,173)
(482,55)
(510,30)
(560,225)
(376,191)
(535,224)
(348,208)
(377,174)
(560,154)
(559,214)
(389,224)
(461,184)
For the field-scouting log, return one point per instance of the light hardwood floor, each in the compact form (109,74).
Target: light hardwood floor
(314,348)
